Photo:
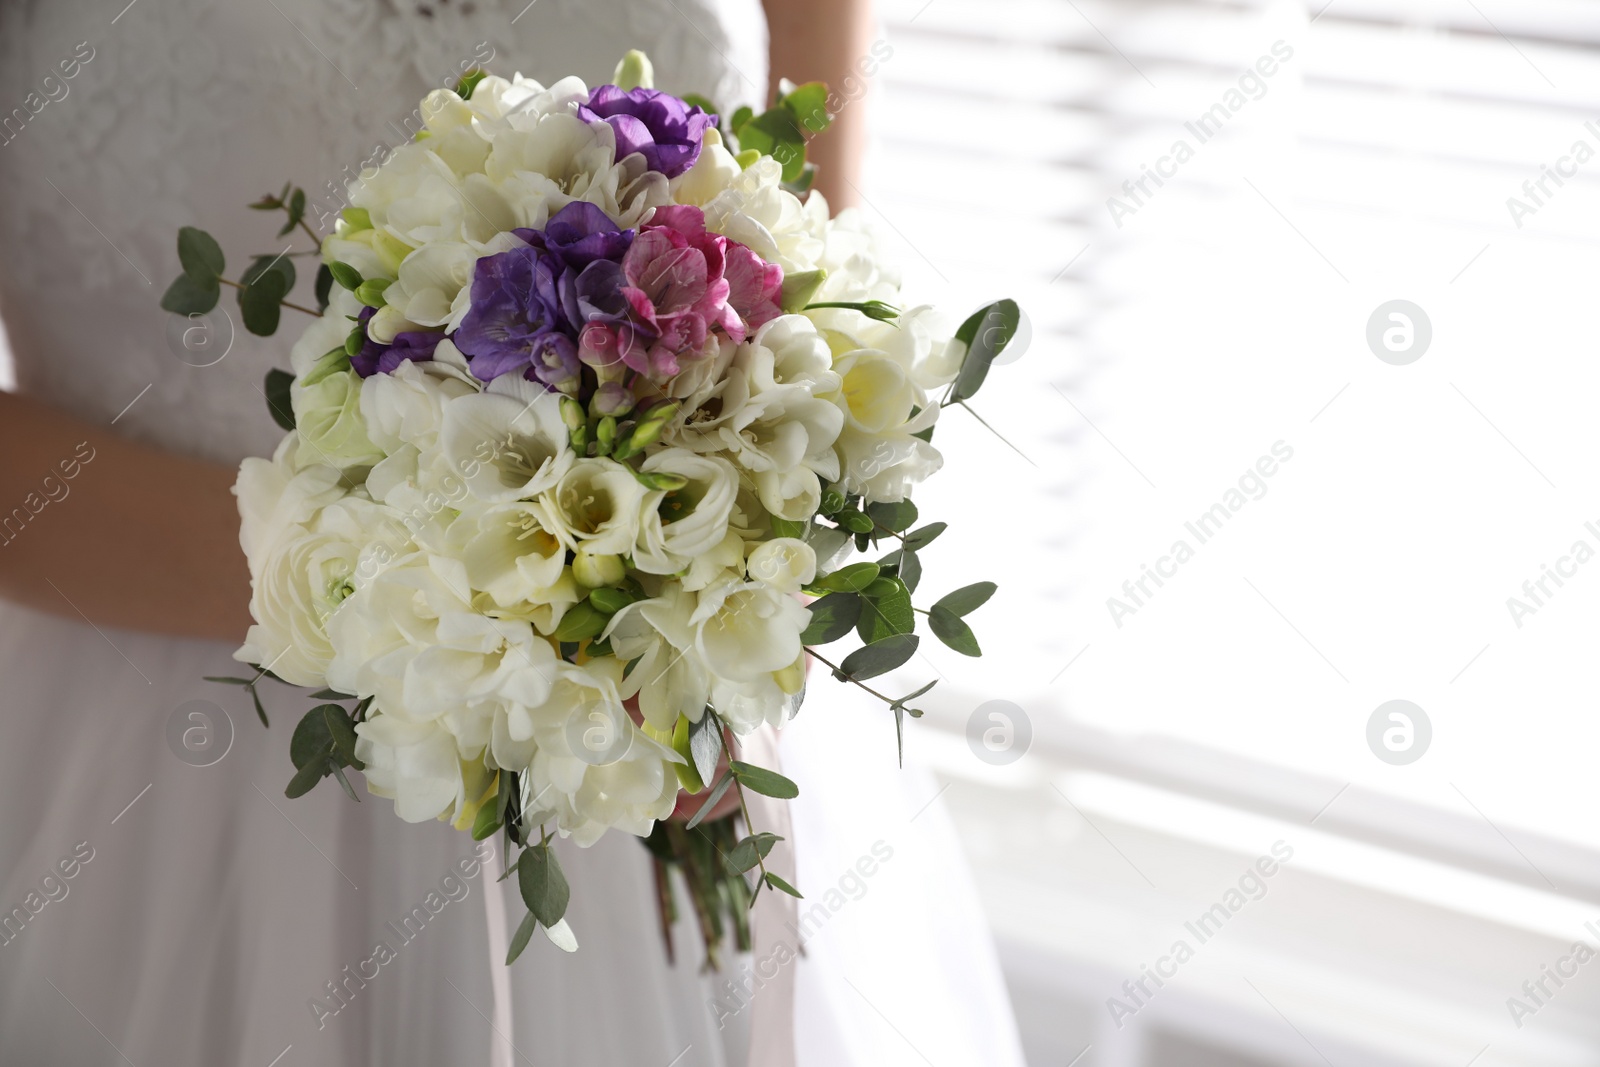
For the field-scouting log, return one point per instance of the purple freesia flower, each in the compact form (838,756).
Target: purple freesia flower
(579,234)
(375,358)
(517,322)
(659,126)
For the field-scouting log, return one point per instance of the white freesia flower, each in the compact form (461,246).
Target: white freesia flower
(785,563)
(508,553)
(434,287)
(745,631)
(505,449)
(714,171)
(595,507)
(880,456)
(406,406)
(414,764)
(756,210)
(669,678)
(417,198)
(679,525)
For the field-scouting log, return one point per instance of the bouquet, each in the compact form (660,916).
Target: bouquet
(595,396)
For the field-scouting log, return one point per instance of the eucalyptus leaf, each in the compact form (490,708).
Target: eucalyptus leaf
(344,783)
(261,712)
(544,887)
(955,633)
(910,569)
(778,883)
(880,657)
(324,286)
(312,739)
(260,303)
(711,801)
(809,105)
(228,681)
(519,940)
(767,783)
(886,611)
(895,516)
(831,618)
(705,745)
(985,333)
(278,403)
(343,733)
(200,255)
(306,779)
(966,599)
(486,822)
(851,579)
(923,536)
(185,296)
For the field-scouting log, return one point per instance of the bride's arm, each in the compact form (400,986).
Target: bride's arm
(828,41)
(136,538)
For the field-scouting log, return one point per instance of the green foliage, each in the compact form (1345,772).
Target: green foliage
(767,783)
(850,579)
(262,289)
(346,275)
(894,517)
(955,633)
(519,940)
(543,885)
(468,82)
(880,657)
(277,390)
(832,617)
(324,286)
(200,255)
(185,296)
(985,333)
(967,599)
(923,536)
(581,622)
(749,852)
(886,611)
(717,793)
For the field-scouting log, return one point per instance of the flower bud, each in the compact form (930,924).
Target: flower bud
(612,398)
(605,435)
(355,219)
(799,287)
(651,423)
(370,292)
(597,571)
(634,71)
(792,678)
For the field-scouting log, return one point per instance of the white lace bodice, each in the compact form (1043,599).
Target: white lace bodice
(183,111)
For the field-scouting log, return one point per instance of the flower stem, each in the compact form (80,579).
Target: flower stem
(847,678)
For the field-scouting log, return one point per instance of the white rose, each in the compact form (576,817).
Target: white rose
(744,631)
(327,415)
(278,494)
(301,583)
(595,507)
(679,525)
(505,449)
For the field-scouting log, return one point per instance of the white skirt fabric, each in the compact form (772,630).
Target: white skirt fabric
(166,905)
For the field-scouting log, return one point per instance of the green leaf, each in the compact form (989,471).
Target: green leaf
(312,740)
(331,694)
(296,207)
(851,579)
(227,681)
(705,745)
(880,657)
(306,779)
(581,622)
(749,852)
(809,105)
(345,275)
(986,334)
(740,117)
(609,601)
(895,517)
(831,618)
(886,611)
(711,801)
(776,133)
(262,266)
(185,296)
(767,783)
(778,883)
(923,536)
(910,569)
(519,940)
(967,599)
(344,783)
(486,822)
(277,390)
(343,733)
(544,887)
(260,302)
(949,628)
(788,528)
(200,255)
(324,286)
(696,100)
(463,88)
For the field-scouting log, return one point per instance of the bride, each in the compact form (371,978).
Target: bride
(160,900)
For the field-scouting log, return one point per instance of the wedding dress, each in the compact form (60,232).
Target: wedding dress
(161,903)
